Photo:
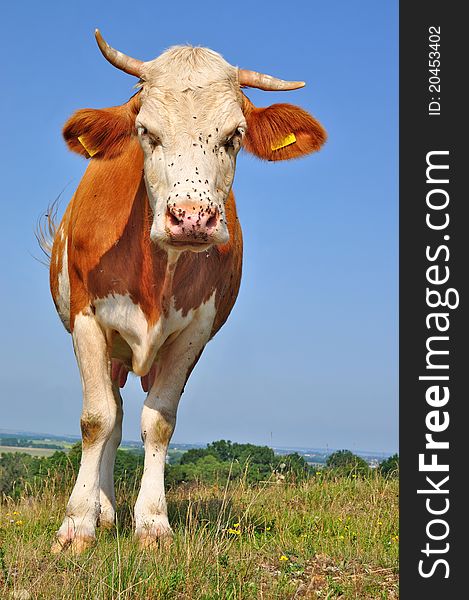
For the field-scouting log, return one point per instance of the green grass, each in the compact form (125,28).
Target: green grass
(326,538)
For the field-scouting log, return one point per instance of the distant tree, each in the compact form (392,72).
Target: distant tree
(210,470)
(293,465)
(223,450)
(174,456)
(263,456)
(347,463)
(227,451)
(207,469)
(128,469)
(389,467)
(220,458)
(192,455)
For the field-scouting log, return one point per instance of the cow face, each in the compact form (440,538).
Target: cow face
(191,118)
(190,127)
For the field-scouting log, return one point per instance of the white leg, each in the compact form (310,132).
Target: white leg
(107,497)
(97,424)
(158,422)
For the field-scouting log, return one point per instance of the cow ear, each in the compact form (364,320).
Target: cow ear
(101,132)
(281,131)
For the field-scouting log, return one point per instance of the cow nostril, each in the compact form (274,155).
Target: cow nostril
(212,221)
(174,221)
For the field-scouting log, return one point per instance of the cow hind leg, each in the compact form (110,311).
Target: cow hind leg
(98,422)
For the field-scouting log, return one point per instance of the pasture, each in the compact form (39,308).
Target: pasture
(328,537)
(27,450)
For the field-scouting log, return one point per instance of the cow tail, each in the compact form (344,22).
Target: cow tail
(46,229)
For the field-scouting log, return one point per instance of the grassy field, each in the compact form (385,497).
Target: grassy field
(326,538)
(31,451)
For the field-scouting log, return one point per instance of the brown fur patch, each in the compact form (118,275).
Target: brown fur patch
(164,428)
(268,126)
(104,132)
(91,429)
(101,211)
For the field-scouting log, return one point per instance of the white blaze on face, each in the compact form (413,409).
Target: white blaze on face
(190,127)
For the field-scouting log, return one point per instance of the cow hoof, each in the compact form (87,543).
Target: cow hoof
(159,533)
(149,542)
(80,544)
(60,545)
(77,545)
(106,522)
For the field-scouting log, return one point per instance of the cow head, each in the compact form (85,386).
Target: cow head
(191,119)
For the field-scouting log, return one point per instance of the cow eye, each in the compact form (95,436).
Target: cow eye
(234,138)
(150,138)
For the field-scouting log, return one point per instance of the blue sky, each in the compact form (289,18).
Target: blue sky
(309,354)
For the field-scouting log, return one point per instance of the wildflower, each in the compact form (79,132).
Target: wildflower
(267,528)
(380,522)
(15,512)
(235,529)
(283,557)
(19,522)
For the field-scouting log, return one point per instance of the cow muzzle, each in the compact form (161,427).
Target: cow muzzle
(194,225)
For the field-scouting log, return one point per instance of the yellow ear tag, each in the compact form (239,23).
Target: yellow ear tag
(89,150)
(287,141)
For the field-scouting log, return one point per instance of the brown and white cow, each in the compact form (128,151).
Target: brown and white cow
(146,262)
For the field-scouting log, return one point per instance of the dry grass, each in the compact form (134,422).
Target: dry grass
(320,539)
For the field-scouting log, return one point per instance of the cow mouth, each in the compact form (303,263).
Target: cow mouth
(192,245)
(189,244)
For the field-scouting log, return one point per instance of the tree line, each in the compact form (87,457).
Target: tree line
(22,474)
(28,443)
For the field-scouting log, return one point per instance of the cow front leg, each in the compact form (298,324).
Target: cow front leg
(158,421)
(107,496)
(98,420)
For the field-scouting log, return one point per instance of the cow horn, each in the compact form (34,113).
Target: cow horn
(266,82)
(125,63)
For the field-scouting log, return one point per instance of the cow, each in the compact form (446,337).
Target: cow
(145,265)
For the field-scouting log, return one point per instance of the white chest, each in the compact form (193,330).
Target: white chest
(119,313)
